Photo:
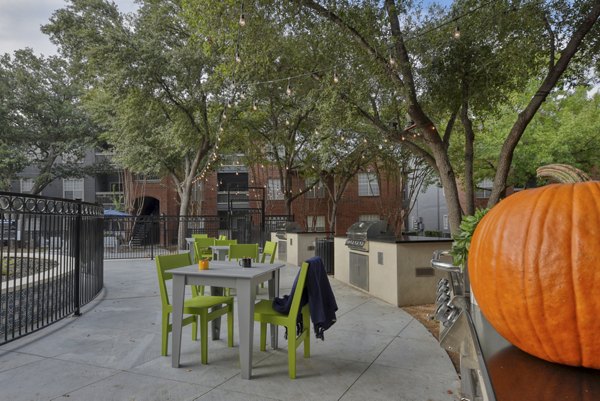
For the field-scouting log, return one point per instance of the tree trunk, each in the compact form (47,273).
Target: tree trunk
(184,198)
(469,139)
(446,174)
(332,217)
(45,175)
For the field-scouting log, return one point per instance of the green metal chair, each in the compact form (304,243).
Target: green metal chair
(197,306)
(269,250)
(222,242)
(202,248)
(222,237)
(238,251)
(265,314)
(199,235)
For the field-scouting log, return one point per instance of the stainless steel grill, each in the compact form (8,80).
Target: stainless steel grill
(360,233)
(287,227)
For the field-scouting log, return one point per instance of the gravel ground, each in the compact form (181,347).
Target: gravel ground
(422,313)
(15,267)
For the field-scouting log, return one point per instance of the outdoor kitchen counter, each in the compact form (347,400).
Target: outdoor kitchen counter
(516,375)
(396,270)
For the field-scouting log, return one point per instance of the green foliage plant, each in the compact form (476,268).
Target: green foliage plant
(462,241)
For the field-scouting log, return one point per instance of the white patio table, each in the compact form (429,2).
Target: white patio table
(220,250)
(231,275)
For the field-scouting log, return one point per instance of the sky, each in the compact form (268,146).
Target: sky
(21,20)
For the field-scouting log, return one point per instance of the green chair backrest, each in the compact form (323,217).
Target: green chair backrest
(164,263)
(222,242)
(269,249)
(202,248)
(232,241)
(204,242)
(237,251)
(295,308)
(199,235)
(222,237)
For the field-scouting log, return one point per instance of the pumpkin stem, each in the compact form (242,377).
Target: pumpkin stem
(562,173)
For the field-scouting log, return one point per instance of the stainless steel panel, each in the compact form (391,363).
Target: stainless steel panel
(359,270)
(282,250)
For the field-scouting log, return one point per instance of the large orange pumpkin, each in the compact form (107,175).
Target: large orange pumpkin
(534,266)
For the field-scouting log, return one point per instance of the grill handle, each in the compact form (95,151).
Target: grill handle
(437,263)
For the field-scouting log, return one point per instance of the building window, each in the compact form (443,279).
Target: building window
(368,217)
(26,185)
(146,177)
(72,158)
(73,188)
(274,189)
(367,184)
(483,190)
(315,223)
(445,222)
(318,191)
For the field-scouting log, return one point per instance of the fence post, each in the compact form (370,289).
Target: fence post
(78,222)
(152,239)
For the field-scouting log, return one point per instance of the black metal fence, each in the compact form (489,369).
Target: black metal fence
(50,258)
(148,236)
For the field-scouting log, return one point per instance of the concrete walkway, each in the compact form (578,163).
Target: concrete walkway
(112,352)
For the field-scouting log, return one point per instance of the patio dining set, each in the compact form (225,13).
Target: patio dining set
(222,257)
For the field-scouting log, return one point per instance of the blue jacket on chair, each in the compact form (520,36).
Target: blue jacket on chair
(318,294)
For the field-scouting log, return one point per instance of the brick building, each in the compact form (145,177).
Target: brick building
(235,190)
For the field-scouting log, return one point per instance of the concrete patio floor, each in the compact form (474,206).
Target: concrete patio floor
(375,351)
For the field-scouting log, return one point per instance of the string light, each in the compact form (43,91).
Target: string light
(288,90)
(242,20)
(335,76)
(254,105)
(456,34)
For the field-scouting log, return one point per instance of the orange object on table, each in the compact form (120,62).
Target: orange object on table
(203,264)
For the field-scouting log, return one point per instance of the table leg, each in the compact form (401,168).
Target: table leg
(216,323)
(246,298)
(274,292)
(178,295)
(192,252)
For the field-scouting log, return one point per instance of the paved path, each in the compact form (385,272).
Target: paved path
(112,352)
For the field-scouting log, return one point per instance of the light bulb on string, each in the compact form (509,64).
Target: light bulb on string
(254,106)
(238,59)
(336,79)
(392,61)
(456,34)
(288,90)
(242,20)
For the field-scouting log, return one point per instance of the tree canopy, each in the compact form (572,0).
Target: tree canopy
(42,120)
